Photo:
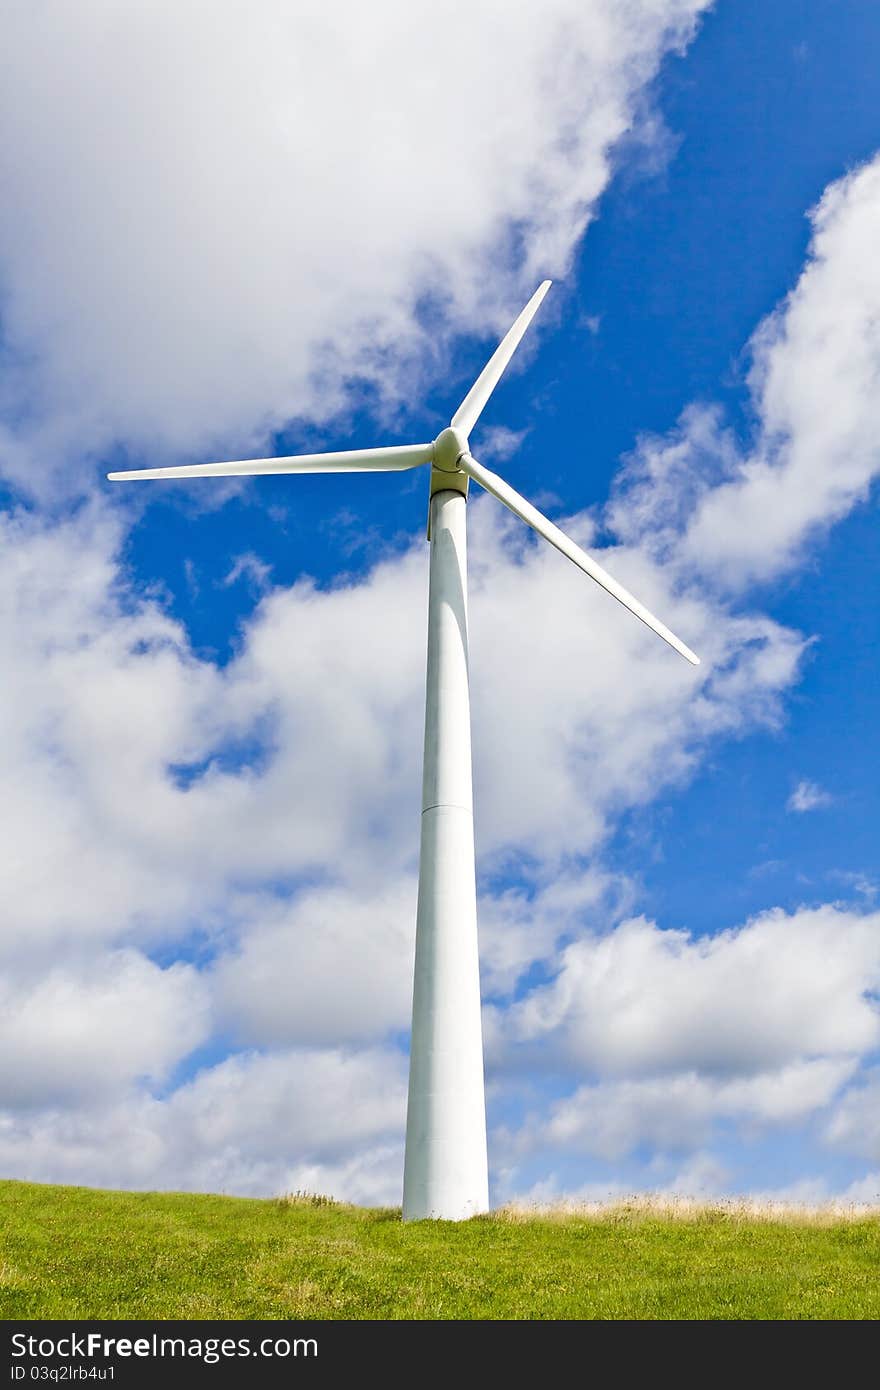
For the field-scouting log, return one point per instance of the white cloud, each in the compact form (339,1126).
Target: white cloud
(334,965)
(748,515)
(855,1124)
(316,1101)
(521,927)
(866,1189)
(250,568)
(678,1113)
(260,1125)
(227,211)
(101,696)
(701,1175)
(498,442)
(90,1027)
(807,796)
(641,1001)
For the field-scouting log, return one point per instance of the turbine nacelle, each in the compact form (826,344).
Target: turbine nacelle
(447,474)
(448,448)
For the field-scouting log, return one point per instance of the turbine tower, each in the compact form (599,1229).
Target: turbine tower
(446,1169)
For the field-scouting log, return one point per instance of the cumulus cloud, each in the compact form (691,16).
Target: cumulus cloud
(262,1125)
(641,1001)
(95,1026)
(669,1045)
(499,442)
(855,1124)
(227,212)
(101,696)
(745,515)
(807,796)
(334,965)
(679,1113)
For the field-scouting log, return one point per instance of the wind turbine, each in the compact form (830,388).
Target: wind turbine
(446,1168)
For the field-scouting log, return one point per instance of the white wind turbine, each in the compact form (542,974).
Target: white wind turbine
(446,1169)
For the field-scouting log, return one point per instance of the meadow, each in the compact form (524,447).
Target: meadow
(70,1252)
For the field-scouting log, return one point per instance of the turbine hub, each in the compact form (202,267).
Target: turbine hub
(449,446)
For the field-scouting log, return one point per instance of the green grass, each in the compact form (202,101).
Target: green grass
(71,1252)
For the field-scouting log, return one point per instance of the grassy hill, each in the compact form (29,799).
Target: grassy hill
(69,1252)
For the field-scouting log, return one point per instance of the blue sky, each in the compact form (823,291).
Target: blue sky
(214,706)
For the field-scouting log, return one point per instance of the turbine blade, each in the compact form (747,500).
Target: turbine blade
(471,408)
(397,456)
(544,527)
